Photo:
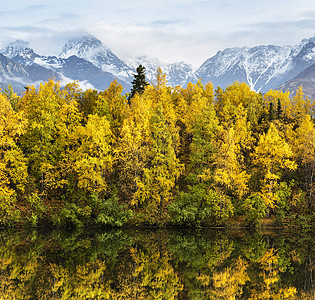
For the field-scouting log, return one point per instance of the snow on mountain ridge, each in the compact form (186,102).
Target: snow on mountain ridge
(262,67)
(19,51)
(73,68)
(49,62)
(93,50)
(86,45)
(14,48)
(176,73)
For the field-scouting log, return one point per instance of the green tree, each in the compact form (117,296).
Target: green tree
(139,83)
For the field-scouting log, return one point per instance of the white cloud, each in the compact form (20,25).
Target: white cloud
(84,85)
(173,30)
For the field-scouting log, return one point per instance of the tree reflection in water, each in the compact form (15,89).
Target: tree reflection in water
(156,264)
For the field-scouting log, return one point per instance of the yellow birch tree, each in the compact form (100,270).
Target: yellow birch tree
(272,155)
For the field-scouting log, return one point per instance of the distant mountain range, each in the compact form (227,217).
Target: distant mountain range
(64,69)
(87,60)
(262,67)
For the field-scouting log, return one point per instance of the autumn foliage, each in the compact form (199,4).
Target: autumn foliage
(170,155)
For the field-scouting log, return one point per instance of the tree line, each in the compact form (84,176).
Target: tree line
(164,155)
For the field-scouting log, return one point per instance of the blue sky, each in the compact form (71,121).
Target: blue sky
(172,30)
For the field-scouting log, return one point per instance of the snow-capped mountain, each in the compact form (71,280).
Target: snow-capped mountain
(12,73)
(15,48)
(19,52)
(92,49)
(19,69)
(303,56)
(262,67)
(151,65)
(256,66)
(75,68)
(66,70)
(19,76)
(176,73)
(87,60)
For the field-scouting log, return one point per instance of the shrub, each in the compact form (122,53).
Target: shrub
(109,212)
(199,206)
(254,208)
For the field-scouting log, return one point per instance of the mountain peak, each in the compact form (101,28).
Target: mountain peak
(88,40)
(82,46)
(308,40)
(14,48)
(93,50)
(259,66)
(18,44)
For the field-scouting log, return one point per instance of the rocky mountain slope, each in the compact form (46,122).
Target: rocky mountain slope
(19,76)
(86,59)
(306,79)
(66,70)
(92,49)
(176,73)
(262,67)
(89,61)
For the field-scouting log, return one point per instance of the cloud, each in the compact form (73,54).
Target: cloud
(169,22)
(308,14)
(4,13)
(84,85)
(282,32)
(172,30)
(37,7)
(167,45)
(44,41)
(300,24)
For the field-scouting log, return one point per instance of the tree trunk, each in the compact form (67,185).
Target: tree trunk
(310,195)
(41,185)
(270,192)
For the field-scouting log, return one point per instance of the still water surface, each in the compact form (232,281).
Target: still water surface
(156,264)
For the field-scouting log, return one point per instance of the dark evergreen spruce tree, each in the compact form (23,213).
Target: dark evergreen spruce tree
(279,109)
(139,83)
(271,112)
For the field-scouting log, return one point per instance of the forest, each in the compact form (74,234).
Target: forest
(193,156)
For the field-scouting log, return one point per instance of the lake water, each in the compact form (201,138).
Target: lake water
(156,264)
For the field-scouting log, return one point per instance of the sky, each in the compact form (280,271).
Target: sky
(171,30)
